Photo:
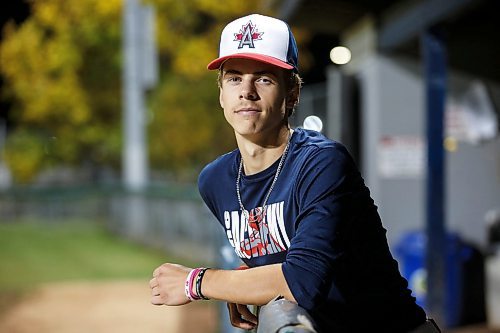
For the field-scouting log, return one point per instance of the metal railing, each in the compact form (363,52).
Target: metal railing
(283,316)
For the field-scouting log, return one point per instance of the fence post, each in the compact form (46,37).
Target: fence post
(283,316)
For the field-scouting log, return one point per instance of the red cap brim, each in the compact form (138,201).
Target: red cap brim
(252,56)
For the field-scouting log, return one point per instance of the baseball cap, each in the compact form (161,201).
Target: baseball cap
(258,37)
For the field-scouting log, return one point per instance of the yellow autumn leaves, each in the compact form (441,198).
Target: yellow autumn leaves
(62,78)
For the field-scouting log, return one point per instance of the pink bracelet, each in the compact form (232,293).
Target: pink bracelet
(193,281)
(188,285)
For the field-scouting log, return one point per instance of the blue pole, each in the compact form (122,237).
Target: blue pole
(434,55)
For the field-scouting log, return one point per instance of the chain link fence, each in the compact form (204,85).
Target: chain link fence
(169,217)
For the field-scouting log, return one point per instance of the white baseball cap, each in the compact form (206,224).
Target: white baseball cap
(258,37)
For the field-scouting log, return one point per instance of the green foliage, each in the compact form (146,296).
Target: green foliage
(62,73)
(62,68)
(25,153)
(187,125)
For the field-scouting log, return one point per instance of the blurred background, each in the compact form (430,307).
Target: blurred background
(107,115)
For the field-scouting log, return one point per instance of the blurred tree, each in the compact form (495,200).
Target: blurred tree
(62,72)
(187,124)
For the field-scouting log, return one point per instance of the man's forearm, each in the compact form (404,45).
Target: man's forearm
(251,286)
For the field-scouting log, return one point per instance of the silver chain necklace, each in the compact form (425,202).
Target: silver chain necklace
(264,204)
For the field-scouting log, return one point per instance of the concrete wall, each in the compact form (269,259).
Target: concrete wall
(393,105)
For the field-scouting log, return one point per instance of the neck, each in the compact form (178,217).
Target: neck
(259,155)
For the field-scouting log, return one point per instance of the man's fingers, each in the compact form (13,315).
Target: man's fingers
(153,283)
(237,320)
(156,300)
(246,313)
(234,316)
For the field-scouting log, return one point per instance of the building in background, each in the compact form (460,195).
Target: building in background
(377,103)
(379,98)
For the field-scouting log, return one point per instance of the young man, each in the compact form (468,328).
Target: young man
(292,204)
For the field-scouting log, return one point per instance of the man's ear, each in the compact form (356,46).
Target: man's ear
(220,98)
(293,98)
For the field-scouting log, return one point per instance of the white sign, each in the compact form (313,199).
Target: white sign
(401,156)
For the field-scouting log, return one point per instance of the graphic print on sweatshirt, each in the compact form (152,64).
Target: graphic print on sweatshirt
(263,234)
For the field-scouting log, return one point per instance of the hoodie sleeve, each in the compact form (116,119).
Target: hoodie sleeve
(328,184)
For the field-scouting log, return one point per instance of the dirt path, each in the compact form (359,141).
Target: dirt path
(103,307)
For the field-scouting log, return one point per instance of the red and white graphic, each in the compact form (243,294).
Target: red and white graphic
(261,235)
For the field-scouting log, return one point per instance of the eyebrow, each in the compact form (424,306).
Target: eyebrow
(264,72)
(231,71)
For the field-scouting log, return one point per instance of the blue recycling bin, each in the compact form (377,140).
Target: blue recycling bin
(411,255)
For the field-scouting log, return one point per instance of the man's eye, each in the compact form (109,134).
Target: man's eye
(233,79)
(265,80)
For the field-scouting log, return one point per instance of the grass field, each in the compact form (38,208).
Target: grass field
(32,253)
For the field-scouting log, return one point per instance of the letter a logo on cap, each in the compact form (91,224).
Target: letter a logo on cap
(241,39)
(247,35)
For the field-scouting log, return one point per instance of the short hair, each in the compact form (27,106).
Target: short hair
(294,82)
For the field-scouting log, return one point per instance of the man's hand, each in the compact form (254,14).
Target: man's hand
(241,317)
(167,285)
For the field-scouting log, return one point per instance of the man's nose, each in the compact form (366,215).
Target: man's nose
(248,90)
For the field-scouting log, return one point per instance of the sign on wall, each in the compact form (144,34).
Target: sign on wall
(401,156)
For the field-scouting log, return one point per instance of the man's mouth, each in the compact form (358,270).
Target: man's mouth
(247,111)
